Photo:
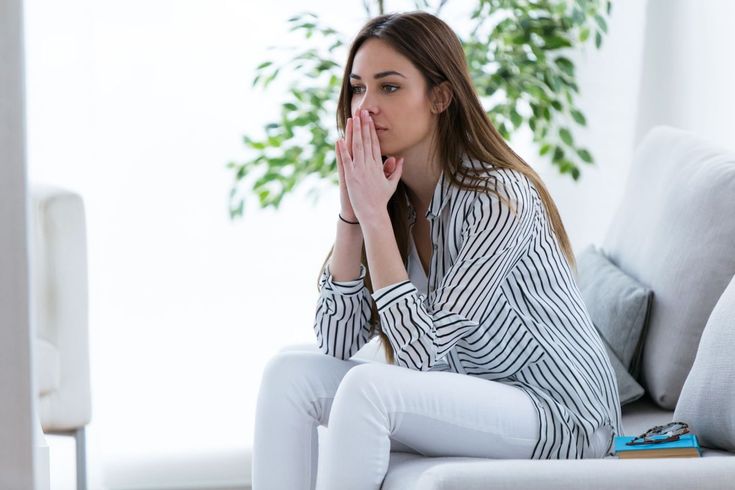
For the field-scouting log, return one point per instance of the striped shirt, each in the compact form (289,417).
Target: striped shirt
(500,302)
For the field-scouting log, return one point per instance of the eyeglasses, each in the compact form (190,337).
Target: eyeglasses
(660,433)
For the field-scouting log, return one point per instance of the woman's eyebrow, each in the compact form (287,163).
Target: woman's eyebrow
(378,75)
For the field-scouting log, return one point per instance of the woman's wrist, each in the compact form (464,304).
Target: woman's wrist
(348,219)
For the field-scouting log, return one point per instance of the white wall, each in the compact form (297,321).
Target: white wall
(689,73)
(23,453)
(138,105)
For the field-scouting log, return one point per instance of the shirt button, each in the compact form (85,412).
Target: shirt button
(435,246)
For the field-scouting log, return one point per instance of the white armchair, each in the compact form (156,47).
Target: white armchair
(59,305)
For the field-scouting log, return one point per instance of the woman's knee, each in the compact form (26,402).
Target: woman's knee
(363,381)
(284,366)
(300,367)
(302,347)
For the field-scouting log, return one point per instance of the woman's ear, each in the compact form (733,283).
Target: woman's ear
(441,97)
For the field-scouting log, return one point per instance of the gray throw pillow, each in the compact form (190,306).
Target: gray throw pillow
(707,400)
(619,308)
(628,388)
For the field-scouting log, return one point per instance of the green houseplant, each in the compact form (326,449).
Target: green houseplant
(515,53)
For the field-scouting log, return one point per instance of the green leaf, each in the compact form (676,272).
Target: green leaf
(558,154)
(565,136)
(556,42)
(584,155)
(256,145)
(255,80)
(577,16)
(598,39)
(565,166)
(264,64)
(601,22)
(578,117)
(544,149)
(515,118)
(584,34)
(566,65)
(271,77)
(263,196)
(554,81)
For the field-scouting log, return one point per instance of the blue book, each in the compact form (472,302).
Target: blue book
(686,446)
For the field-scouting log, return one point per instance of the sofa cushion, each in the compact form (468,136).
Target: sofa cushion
(707,401)
(674,232)
(410,471)
(618,306)
(413,472)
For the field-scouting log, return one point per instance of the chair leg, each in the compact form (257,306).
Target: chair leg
(79,437)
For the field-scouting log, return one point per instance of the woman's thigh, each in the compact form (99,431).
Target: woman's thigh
(451,414)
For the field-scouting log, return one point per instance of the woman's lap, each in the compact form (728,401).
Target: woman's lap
(447,414)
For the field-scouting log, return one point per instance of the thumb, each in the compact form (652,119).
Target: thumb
(396,175)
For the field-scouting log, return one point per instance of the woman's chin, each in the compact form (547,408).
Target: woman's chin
(388,147)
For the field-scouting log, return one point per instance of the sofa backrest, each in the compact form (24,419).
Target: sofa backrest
(674,231)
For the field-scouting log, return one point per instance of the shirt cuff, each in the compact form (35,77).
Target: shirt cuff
(388,295)
(346,287)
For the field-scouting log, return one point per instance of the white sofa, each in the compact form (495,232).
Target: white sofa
(59,309)
(644,241)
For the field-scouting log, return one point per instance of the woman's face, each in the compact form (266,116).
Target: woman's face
(393,91)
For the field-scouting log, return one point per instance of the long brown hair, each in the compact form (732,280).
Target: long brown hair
(463,127)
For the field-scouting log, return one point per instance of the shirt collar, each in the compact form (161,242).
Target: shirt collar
(439,199)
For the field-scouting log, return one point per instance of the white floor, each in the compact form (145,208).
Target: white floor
(224,470)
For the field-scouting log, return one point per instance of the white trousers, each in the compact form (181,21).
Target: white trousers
(372,408)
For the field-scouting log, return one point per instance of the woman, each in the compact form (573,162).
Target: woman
(452,252)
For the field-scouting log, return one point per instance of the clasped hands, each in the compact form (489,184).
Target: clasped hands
(370,183)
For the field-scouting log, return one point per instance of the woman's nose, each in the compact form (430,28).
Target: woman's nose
(367,104)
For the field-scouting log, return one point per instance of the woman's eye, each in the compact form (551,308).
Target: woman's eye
(356,88)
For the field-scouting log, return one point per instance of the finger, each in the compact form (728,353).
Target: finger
(348,134)
(345,157)
(375,147)
(389,166)
(367,143)
(340,170)
(358,155)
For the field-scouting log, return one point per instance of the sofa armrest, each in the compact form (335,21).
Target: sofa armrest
(59,301)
